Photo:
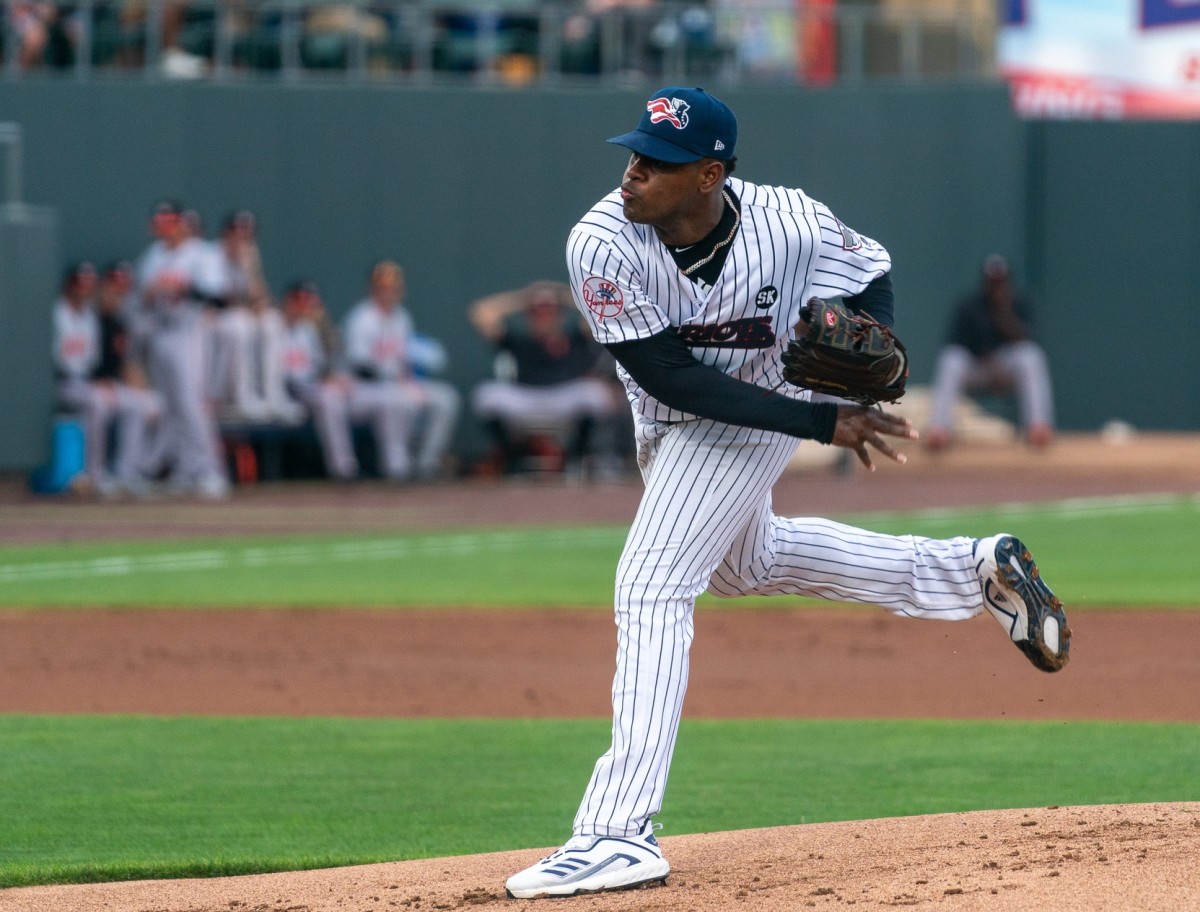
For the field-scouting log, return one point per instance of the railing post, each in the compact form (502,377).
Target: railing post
(154,28)
(910,49)
(86,35)
(356,53)
(222,41)
(289,40)
(10,137)
(852,22)
(550,27)
(12,44)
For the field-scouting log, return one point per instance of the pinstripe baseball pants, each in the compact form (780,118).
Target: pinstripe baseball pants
(705,523)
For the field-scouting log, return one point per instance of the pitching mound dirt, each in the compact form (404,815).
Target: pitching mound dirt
(1092,859)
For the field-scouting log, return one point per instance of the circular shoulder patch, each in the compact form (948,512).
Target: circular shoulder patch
(602,297)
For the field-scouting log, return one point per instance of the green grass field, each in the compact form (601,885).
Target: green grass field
(114,797)
(105,798)
(1109,552)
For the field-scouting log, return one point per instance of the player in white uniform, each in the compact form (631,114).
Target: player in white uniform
(383,352)
(334,398)
(175,276)
(694,281)
(91,384)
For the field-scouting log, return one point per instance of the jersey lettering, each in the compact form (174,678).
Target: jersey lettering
(748,332)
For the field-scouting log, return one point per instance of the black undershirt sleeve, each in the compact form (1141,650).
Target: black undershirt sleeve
(664,367)
(877,300)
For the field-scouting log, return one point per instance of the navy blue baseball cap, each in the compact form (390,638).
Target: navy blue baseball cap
(683,125)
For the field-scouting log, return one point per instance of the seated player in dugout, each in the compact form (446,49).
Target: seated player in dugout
(391,361)
(557,372)
(694,280)
(990,347)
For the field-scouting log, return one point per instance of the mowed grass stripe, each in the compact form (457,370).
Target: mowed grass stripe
(107,797)
(285,554)
(1059,510)
(1104,552)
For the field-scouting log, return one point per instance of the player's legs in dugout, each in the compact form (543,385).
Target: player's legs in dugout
(439,416)
(1026,365)
(390,411)
(705,522)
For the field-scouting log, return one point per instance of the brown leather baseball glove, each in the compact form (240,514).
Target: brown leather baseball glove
(845,354)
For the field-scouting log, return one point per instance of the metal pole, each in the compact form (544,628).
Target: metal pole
(84,52)
(910,49)
(10,135)
(12,41)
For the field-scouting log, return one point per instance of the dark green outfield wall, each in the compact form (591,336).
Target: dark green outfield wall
(474,191)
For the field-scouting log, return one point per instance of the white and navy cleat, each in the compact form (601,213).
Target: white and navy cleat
(591,864)
(1015,594)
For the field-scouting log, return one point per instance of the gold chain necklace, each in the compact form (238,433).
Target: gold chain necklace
(737,220)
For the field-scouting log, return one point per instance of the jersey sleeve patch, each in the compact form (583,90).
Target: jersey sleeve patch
(850,240)
(602,297)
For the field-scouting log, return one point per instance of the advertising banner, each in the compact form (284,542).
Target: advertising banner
(1102,58)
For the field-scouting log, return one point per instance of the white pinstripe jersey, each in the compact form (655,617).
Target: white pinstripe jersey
(789,248)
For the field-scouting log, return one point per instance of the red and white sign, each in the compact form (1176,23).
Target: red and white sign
(603,297)
(1102,59)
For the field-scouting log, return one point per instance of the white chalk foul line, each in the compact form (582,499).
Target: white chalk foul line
(1075,508)
(301,554)
(283,555)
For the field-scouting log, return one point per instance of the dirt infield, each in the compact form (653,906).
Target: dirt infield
(790,662)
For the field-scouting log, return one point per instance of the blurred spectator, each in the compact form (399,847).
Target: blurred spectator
(990,347)
(43,35)
(175,60)
(176,280)
(380,353)
(334,398)
(763,34)
(31,23)
(96,379)
(685,39)
(551,367)
(331,30)
(587,34)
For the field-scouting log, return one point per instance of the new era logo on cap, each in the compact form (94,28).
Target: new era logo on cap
(683,125)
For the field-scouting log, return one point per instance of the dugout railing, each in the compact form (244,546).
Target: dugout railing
(513,42)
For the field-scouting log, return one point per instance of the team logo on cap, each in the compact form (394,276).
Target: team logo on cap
(602,297)
(672,110)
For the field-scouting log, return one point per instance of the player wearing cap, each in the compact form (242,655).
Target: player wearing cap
(990,346)
(175,278)
(694,280)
